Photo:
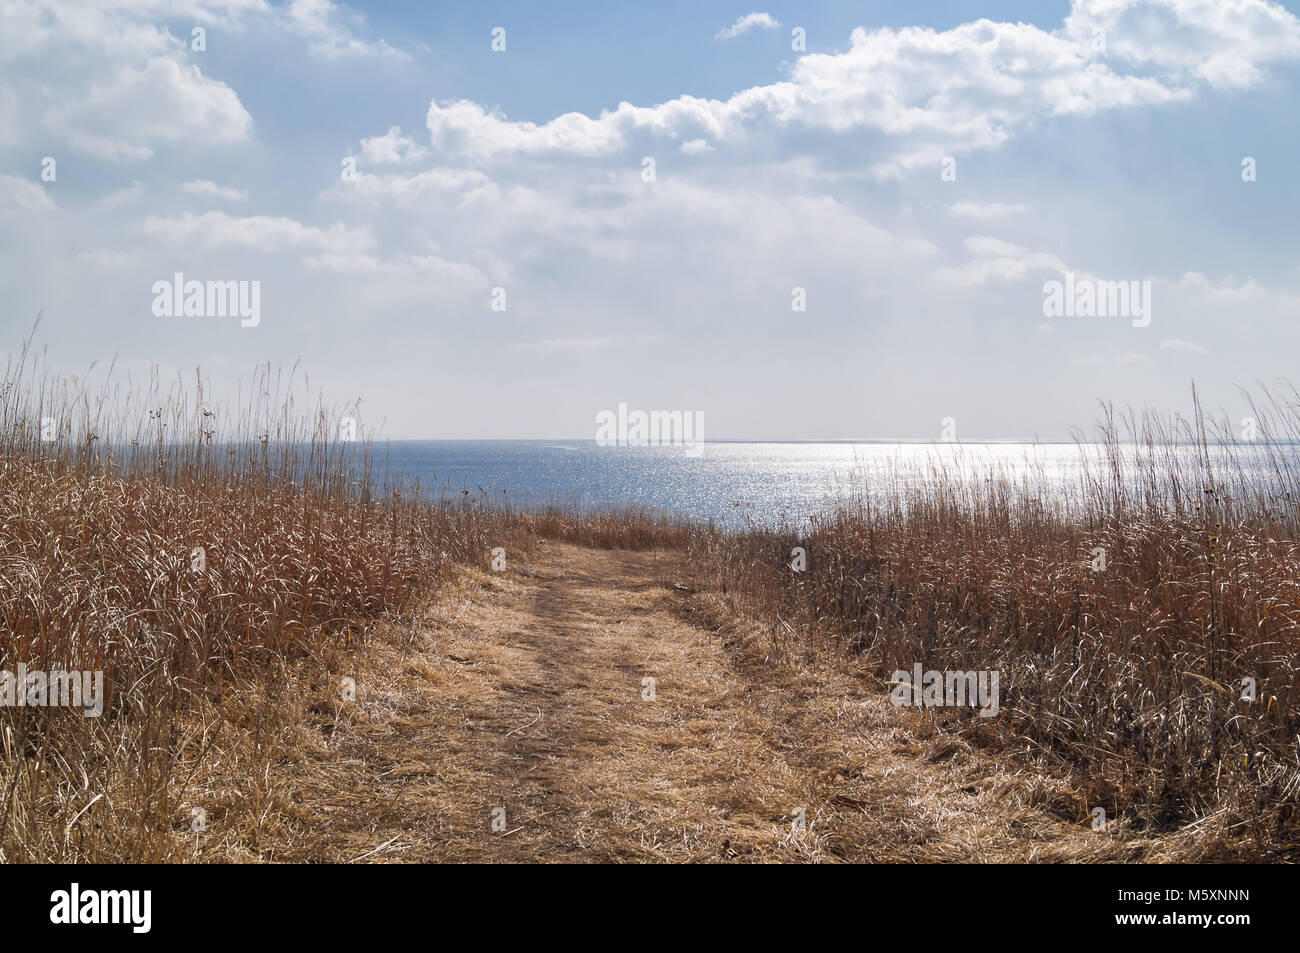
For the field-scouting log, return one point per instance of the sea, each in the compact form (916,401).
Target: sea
(738,484)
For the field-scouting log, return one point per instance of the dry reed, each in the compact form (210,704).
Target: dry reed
(1129,673)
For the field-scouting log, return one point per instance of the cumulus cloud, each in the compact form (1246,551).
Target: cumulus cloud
(985,210)
(1226,291)
(392,147)
(126,84)
(997,260)
(932,93)
(1227,44)
(366,264)
(340,248)
(205,187)
(162,101)
(261,232)
(757,193)
(107,30)
(746,23)
(427,184)
(323,24)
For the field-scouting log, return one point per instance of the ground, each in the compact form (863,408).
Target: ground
(517,723)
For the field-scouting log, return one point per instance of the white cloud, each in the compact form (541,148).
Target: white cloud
(320,23)
(920,246)
(436,184)
(123,196)
(1226,44)
(987,245)
(111,78)
(116,31)
(985,210)
(139,107)
(757,193)
(361,263)
(997,260)
(929,93)
(24,195)
(466,127)
(205,187)
(339,248)
(1175,344)
(1195,281)
(392,147)
(30,28)
(262,232)
(746,23)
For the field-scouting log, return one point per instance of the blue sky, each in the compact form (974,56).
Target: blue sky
(1104,138)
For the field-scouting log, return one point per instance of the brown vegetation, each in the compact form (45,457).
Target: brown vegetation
(211,565)
(226,569)
(1128,672)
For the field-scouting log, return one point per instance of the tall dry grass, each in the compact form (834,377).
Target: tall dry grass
(1130,675)
(216,563)
(628,528)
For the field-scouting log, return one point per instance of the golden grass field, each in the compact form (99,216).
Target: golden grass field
(344,677)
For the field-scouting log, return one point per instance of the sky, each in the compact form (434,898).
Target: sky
(803,221)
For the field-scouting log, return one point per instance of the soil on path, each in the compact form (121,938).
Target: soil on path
(570,709)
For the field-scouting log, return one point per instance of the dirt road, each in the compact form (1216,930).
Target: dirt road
(521,725)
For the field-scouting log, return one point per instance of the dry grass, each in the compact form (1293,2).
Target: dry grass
(525,692)
(216,572)
(1120,688)
(613,529)
(1131,676)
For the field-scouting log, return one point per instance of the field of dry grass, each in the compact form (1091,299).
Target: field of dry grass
(1144,621)
(216,566)
(304,663)
(522,698)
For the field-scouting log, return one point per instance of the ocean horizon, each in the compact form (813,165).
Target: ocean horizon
(735,483)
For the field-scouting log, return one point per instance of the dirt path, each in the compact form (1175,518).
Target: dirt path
(525,702)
